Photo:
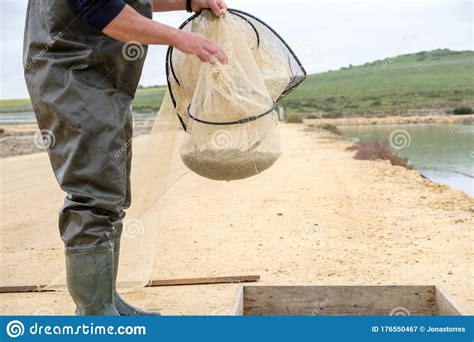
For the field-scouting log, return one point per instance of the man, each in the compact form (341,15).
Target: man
(81,84)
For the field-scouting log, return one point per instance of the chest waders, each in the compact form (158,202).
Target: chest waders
(81,85)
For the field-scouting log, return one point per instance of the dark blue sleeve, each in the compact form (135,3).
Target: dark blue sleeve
(98,13)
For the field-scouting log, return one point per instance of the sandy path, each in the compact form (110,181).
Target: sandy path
(316,217)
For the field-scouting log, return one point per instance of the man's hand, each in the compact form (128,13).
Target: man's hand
(200,46)
(129,25)
(217,7)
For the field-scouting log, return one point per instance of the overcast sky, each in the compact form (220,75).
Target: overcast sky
(325,34)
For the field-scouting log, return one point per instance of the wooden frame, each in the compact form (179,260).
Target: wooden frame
(343,301)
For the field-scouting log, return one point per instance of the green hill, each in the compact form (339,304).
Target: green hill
(146,100)
(437,80)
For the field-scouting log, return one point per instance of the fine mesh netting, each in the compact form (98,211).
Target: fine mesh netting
(38,257)
(156,167)
(262,70)
(229,111)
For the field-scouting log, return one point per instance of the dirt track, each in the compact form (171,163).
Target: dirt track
(316,217)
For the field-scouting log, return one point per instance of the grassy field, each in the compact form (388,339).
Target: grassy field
(146,100)
(436,80)
(439,80)
(17,105)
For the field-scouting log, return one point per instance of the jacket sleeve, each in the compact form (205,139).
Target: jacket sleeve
(98,13)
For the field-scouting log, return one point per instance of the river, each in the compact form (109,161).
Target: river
(444,153)
(29,118)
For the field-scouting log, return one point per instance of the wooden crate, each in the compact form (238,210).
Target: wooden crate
(343,301)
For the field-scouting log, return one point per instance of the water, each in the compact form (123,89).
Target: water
(444,153)
(29,118)
(17,118)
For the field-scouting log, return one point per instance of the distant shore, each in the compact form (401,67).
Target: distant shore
(19,139)
(394,120)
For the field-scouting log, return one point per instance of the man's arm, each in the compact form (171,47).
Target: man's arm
(168,5)
(129,25)
(217,6)
(122,22)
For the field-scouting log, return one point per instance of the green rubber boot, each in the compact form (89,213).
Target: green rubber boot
(90,280)
(122,306)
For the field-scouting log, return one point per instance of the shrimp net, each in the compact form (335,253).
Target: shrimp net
(228,110)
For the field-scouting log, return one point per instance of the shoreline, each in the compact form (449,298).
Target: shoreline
(393,120)
(19,139)
(317,217)
(25,139)
(14,137)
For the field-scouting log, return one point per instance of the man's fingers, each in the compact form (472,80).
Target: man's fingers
(212,60)
(216,9)
(222,57)
(222,5)
(207,57)
(215,50)
(203,58)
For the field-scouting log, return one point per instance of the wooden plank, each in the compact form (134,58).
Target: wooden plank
(444,306)
(203,281)
(152,283)
(339,300)
(24,288)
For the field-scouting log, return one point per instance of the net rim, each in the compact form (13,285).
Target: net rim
(169,65)
(235,122)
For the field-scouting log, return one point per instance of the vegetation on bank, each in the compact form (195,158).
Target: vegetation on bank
(462,110)
(378,150)
(325,127)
